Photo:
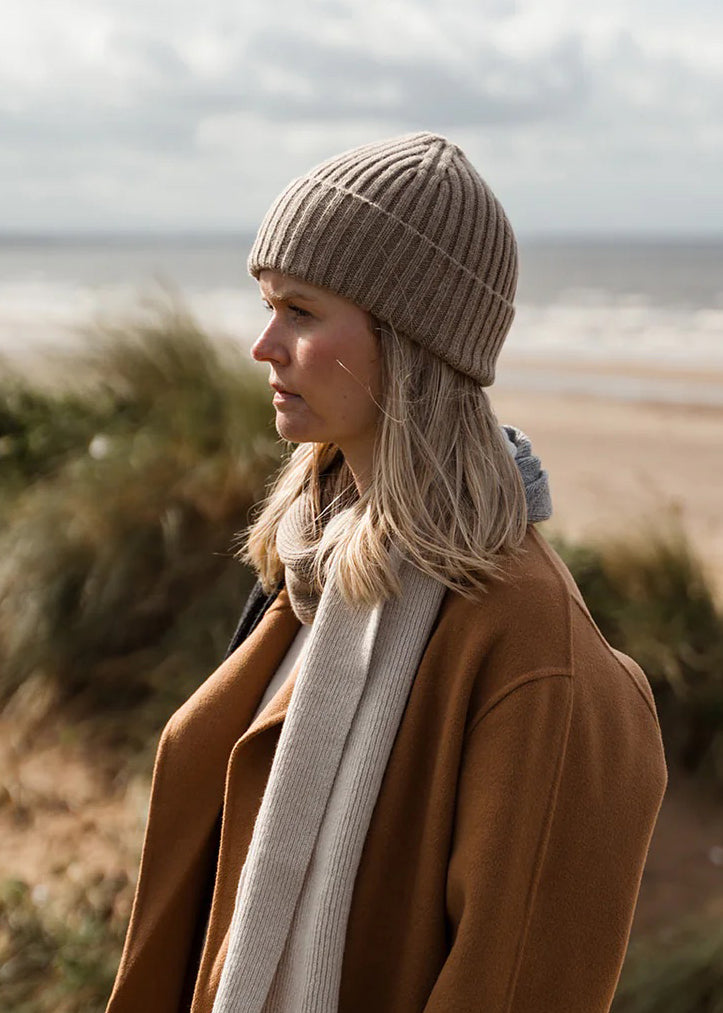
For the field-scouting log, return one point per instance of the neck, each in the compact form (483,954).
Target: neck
(361,469)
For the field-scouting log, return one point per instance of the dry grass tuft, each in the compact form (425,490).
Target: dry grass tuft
(123,489)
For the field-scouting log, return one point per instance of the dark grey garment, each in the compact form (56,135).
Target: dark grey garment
(537,486)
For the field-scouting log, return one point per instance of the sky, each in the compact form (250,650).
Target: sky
(176,116)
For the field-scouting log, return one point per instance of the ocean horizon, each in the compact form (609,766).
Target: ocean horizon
(637,299)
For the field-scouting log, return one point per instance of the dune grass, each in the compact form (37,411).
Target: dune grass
(122,489)
(63,962)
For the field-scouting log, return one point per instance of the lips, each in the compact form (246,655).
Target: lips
(283,390)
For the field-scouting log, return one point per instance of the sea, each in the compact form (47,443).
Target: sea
(639,319)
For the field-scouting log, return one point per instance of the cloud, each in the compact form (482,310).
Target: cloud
(326,82)
(145,105)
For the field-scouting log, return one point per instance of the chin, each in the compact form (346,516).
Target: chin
(297,434)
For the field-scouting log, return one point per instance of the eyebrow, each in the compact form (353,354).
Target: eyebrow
(284,296)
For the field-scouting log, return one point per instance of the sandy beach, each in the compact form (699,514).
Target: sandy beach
(615,465)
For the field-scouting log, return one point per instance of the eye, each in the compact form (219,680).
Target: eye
(295,310)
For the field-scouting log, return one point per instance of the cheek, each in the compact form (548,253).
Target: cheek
(343,366)
(319,360)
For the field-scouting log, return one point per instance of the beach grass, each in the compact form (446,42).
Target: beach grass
(123,488)
(60,961)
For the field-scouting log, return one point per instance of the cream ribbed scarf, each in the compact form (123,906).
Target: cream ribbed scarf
(287,933)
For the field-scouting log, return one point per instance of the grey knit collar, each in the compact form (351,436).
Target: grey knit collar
(536,481)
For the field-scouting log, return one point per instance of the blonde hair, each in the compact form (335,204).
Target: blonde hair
(444,488)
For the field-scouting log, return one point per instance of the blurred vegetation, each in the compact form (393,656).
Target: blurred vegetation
(680,973)
(122,486)
(60,961)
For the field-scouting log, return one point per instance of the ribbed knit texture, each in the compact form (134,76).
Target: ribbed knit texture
(297,543)
(407,229)
(534,477)
(286,940)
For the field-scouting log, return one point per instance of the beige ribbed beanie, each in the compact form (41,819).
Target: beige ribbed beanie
(408,230)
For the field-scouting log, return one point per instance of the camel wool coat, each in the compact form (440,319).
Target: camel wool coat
(502,864)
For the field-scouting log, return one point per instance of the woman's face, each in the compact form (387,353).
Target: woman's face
(325,366)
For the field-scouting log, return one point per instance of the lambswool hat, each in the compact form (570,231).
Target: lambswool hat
(407,229)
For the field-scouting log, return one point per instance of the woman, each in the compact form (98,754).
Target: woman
(421,780)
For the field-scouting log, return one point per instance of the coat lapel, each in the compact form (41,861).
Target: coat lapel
(274,712)
(247,772)
(194,751)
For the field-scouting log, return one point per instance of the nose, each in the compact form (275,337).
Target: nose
(270,345)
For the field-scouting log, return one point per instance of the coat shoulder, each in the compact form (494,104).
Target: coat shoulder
(533,622)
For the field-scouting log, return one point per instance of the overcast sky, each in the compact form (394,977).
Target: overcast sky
(584,116)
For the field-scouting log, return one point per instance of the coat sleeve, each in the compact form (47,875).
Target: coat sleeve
(557,799)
